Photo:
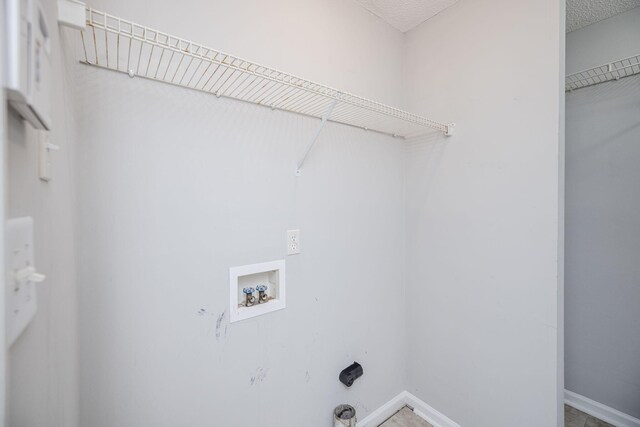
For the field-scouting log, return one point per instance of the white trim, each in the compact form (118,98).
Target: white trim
(384,412)
(277,303)
(420,408)
(433,417)
(600,411)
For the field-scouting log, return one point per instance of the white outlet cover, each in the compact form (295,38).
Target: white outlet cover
(293,242)
(21,295)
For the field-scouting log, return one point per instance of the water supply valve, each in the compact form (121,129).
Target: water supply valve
(249,299)
(262,293)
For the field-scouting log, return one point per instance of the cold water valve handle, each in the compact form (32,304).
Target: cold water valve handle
(262,293)
(249,298)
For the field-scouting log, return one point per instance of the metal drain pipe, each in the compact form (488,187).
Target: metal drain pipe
(344,416)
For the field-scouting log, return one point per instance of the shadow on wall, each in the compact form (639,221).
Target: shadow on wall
(598,99)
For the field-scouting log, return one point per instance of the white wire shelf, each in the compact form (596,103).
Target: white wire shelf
(119,45)
(603,73)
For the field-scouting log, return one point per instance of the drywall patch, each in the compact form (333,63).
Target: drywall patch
(581,13)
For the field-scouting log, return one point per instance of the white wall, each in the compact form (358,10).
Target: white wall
(174,187)
(178,186)
(334,42)
(605,41)
(603,237)
(43,363)
(483,213)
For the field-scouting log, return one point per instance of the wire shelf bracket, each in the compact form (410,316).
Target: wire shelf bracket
(615,70)
(109,42)
(325,117)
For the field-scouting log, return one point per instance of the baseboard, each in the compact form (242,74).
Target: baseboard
(384,412)
(600,411)
(420,408)
(437,419)
(433,417)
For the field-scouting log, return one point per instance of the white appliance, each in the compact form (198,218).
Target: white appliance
(28,62)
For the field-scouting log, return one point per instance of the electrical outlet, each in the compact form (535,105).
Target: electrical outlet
(21,304)
(293,242)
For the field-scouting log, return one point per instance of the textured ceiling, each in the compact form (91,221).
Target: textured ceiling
(581,13)
(405,14)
